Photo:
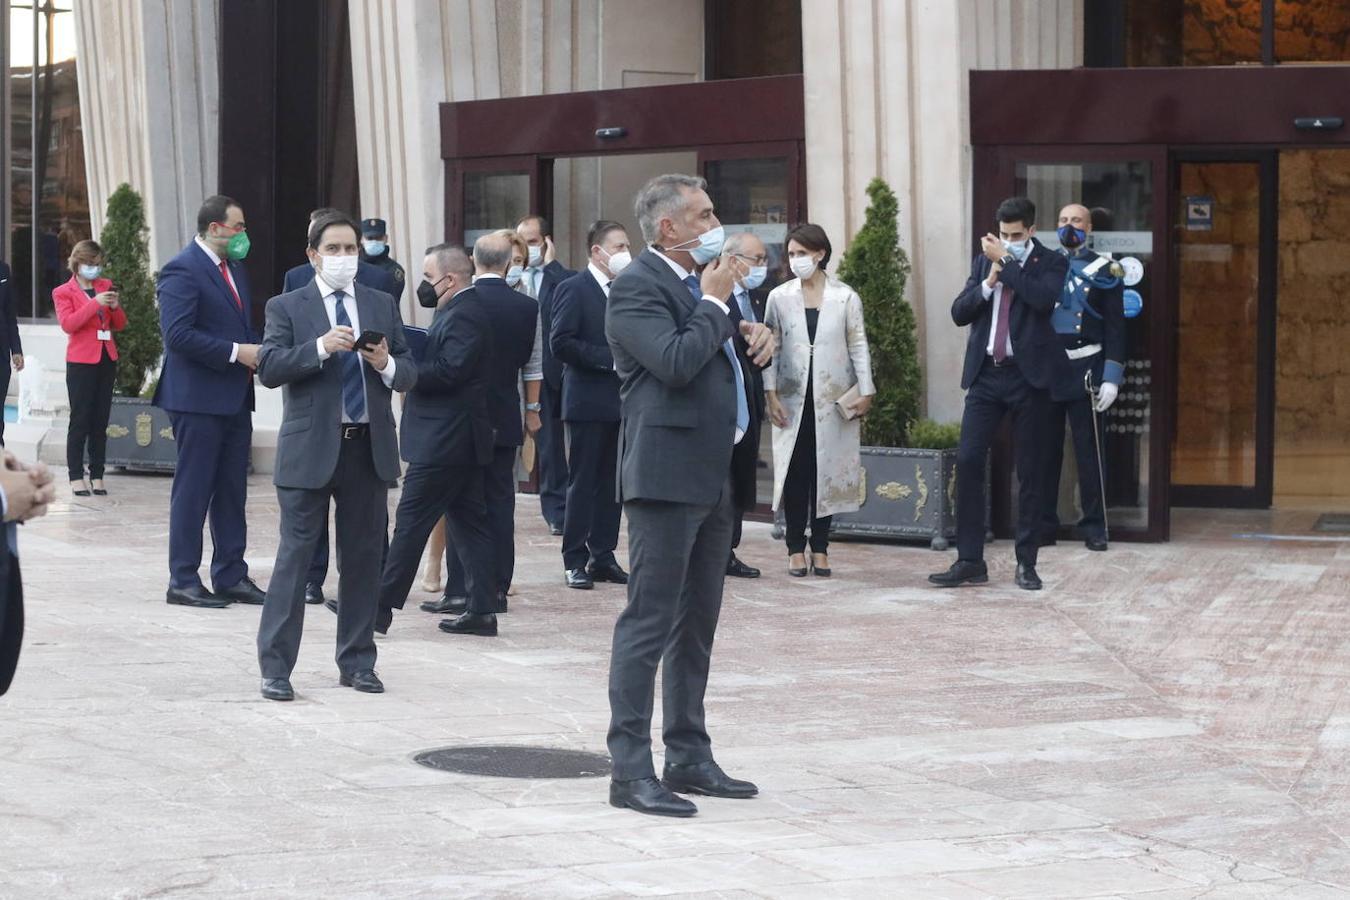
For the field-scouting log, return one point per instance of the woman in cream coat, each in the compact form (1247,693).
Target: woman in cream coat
(822,353)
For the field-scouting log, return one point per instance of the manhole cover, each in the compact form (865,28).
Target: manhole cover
(1338,523)
(503,761)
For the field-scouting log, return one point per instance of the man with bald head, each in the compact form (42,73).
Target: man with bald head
(512,360)
(1089,321)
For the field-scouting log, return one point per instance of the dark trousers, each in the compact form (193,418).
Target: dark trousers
(90,387)
(737,522)
(499,493)
(430,492)
(318,567)
(591,518)
(1079,414)
(551,444)
(4,393)
(11,615)
(799,490)
(360,497)
(678,556)
(209,483)
(998,391)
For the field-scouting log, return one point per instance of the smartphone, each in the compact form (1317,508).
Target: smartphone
(368,340)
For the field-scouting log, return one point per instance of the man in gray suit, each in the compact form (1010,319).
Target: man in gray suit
(685,406)
(336,441)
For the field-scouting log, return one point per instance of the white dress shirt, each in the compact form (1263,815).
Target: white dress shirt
(326,291)
(997,293)
(215,261)
(600,278)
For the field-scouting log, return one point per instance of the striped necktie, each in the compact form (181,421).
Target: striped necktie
(353,384)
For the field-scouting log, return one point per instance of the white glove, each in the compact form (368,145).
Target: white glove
(1106,395)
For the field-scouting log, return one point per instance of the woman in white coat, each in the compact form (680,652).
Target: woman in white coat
(822,355)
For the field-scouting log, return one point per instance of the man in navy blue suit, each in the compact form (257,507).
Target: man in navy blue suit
(206,387)
(590,410)
(543,274)
(372,276)
(11,348)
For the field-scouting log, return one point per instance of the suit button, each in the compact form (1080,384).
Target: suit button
(1080,314)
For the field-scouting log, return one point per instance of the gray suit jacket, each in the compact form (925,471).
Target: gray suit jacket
(678,391)
(309,439)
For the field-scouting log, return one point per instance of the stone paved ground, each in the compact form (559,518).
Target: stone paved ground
(1162,722)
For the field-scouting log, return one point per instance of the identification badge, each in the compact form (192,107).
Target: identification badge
(104,334)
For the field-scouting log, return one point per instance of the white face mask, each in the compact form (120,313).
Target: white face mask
(339,271)
(514,274)
(802,266)
(617,262)
(536,254)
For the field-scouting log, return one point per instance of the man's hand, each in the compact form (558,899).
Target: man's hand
(377,356)
(777,415)
(718,279)
(248,355)
(993,274)
(339,339)
(992,247)
(1106,395)
(532,422)
(17,360)
(550,252)
(761,341)
(28,490)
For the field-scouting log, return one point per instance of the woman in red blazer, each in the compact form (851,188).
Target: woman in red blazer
(88,310)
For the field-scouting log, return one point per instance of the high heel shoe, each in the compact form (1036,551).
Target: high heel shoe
(79,488)
(821,571)
(797,571)
(99,490)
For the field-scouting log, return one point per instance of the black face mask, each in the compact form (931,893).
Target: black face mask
(426,294)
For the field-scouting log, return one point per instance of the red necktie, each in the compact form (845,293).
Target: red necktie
(1001,326)
(225,273)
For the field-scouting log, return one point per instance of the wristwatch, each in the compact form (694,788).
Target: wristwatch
(1006,260)
(533,407)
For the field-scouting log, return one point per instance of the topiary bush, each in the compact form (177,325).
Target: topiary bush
(876,267)
(925,434)
(126,261)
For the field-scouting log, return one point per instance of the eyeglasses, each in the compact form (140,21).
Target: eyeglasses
(760,260)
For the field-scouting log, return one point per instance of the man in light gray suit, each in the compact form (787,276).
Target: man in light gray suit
(685,406)
(336,441)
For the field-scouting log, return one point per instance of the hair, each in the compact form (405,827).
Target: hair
(452,259)
(544,228)
(599,230)
(1017,209)
(325,211)
(82,252)
(812,237)
(733,245)
(1101,217)
(327,221)
(491,252)
(661,197)
(518,244)
(213,209)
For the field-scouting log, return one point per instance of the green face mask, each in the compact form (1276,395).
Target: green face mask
(237,248)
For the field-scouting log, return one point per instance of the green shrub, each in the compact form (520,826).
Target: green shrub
(126,261)
(925,434)
(876,267)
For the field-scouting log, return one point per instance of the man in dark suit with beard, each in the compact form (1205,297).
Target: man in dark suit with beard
(685,407)
(1012,358)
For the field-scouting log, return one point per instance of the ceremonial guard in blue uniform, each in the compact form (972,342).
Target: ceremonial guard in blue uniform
(1090,323)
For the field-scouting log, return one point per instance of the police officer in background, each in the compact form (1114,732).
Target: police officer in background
(375,251)
(1090,322)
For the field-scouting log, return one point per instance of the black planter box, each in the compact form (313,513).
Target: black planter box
(140,436)
(908,494)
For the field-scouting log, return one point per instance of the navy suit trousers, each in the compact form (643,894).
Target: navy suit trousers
(209,483)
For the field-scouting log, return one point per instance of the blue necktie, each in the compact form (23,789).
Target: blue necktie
(353,385)
(747,308)
(729,348)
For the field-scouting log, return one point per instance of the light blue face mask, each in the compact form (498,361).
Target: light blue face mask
(755,277)
(709,246)
(514,274)
(1018,249)
(374,248)
(536,254)
(89,273)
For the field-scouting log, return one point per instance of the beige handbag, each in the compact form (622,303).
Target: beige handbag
(845,404)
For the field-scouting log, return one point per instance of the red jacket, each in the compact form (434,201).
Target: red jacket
(78,314)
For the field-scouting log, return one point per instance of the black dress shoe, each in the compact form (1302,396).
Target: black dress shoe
(610,571)
(1096,543)
(244,591)
(313,593)
(330,604)
(471,623)
(446,606)
(277,689)
(365,681)
(1027,579)
(649,796)
(738,569)
(577,578)
(963,571)
(196,595)
(555,529)
(706,778)
(384,617)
